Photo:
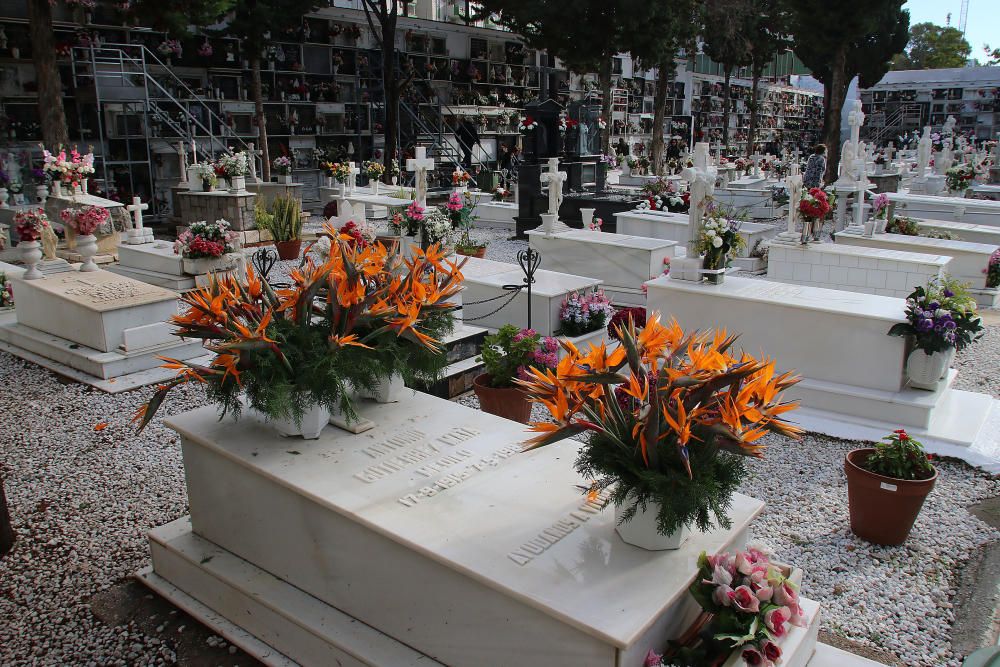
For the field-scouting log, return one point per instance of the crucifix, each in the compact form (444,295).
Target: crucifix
(701,182)
(890,150)
(420,165)
(554,179)
(352,177)
(793,183)
(137,234)
(756,164)
(253,154)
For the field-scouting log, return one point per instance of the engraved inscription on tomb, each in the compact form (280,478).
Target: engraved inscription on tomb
(104,293)
(409,447)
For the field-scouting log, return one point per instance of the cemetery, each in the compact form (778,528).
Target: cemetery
(394,334)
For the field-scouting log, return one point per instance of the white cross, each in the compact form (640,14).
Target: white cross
(701,182)
(554,179)
(421,164)
(756,163)
(137,234)
(136,208)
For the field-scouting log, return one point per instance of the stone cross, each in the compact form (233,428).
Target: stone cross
(137,234)
(756,162)
(554,179)
(182,154)
(420,165)
(701,181)
(793,183)
(352,178)
(890,150)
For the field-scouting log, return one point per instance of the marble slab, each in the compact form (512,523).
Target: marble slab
(854,268)
(963,231)
(485,279)
(968,260)
(496,214)
(158,257)
(434,529)
(93,308)
(674,227)
(748,183)
(957,209)
(620,261)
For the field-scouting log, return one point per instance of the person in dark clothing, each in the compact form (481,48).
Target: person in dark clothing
(673,150)
(467,136)
(621,147)
(815,168)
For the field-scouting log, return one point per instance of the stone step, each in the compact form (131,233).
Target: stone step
(457,378)
(465,342)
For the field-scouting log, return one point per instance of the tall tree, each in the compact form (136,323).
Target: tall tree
(385,13)
(857,38)
(51,115)
(933,47)
(587,42)
(255,22)
(766,37)
(725,31)
(676,28)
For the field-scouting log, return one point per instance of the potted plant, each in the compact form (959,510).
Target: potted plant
(283,165)
(718,241)
(886,487)
(670,416)
(992,270)
(460,180)
(284,223)
(959,178)
(374,170)
(507,355)
(85,221)
(941,320)
(583,318)
(296,362)
(28,225)
(880,213)
(206,247)
(750,605)
(459,210)
(234,168)
(435,229)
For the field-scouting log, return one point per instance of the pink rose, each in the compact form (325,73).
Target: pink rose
(775,620)
(771,651)
(653,659)
(721,576)
(722,595)
(764,593)
(745,601)
(798,618)
(785,594)
(752,656)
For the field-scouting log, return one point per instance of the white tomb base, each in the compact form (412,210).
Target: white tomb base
(154,263)
(623,263)
(853,372)
(106,327)
(485,279)
(853,268)
(496,214)
(428,540)
(956,209)
(674,227)
(963,231)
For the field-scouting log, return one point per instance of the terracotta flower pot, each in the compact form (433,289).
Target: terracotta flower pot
(883,509)
(508,402)
(288,249)
(478,253)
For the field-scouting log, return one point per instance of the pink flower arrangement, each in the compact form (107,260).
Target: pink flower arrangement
(85,220)
(596,224)
(206,240)
(455,203)
(71,168)
(29,224)
(546,356)
(880,205)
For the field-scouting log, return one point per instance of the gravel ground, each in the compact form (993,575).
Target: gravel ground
(84,489)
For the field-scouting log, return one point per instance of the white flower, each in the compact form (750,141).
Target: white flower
(717,242)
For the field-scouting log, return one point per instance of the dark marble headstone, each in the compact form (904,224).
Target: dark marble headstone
(531,201)
(543,142)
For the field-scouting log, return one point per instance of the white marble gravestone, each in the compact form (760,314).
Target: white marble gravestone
(431,529)
(420,165)
(136,233)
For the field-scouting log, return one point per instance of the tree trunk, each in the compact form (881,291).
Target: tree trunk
(390,87)
(6,528)
(836,91)
(754,117)
(659,114)
(51,114)
(258,110)
(725,112)
(605,75)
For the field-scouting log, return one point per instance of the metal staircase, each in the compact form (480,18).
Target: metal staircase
(884,127)
(132,77)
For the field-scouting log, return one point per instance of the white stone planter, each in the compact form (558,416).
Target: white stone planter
(313,421)
(238,184)
(194,180)
(925,371)
(86,245)
(57,188)
(641,530)
(285,179)
(375,184)
(41,194)
(587,215)
(203,265)
(31,254)
(389,390)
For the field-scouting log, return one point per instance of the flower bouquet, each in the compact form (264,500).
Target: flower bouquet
(85,220)
(204,246)
(408,221)
(528,124)
(234,168)
(435,229)
(374,170)
(960,177)
(992,270)
(941,319)
(749,604)
(343,326)
(813,207)
(460,178)
(357,235)
(6,292)
(28,224)
(282,165)
(339,171)
(583,314)
(70,169)
(718,241)
(669,416)
(903,225)
(500,193)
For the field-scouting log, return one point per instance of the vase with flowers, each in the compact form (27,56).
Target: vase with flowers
(280,355)
(85,221)
(29,225)
(283,166)
(941,319)
(374,170)
(670,416)
(507,357)
(206,247)
(718,242)
(813,209)
(234,167)
(583,318)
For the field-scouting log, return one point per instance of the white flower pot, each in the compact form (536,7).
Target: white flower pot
(57,188)
(924,371)
(389,390)
(238,184)
(194,180)
(31,254)
(86,245)
(204,265)
(313,421)
(375,185)
(587,215)
(641,530)
(41,194)
(285,179)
